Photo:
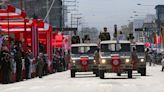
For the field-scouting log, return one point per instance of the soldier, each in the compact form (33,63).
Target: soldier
(104,35)
(122,36)
(86,39)
(28,58)
(75,39)
(134,57)
(96,55)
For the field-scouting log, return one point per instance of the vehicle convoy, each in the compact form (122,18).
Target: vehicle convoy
(115,58)
(82,58)
(140,65)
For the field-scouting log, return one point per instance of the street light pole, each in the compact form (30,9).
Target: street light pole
(47,4)
(139,4)
(21,4)
(78,22)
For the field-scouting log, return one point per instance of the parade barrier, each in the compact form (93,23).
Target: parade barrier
(13,22)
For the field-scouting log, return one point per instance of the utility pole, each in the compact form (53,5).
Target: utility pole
(47,4)
(71,20)
(78,22)
(21,4)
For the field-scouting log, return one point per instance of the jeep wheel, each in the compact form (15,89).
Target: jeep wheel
(143,71)
(101,74)
(118,74)
(129,73)
(97,73)
(72,73)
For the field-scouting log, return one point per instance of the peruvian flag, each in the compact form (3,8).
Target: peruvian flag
(157,39)
(148,45)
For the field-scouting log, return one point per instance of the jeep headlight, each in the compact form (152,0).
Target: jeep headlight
(73,61)
(103,61)
(127,60)
(142,60)
(94,61)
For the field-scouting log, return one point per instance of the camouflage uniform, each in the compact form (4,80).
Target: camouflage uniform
(96,56)
(75,39)
(104,36)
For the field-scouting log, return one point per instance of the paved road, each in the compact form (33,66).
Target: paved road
(61,82)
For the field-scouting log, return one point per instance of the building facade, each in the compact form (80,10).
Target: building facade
(39,8)
(160,21)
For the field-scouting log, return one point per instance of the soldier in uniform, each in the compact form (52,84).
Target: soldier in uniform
(75,39)
(86,39)
(134,57)
(96,55)
(104,35)
(122,36)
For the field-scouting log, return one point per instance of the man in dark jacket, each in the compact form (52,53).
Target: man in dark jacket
(27,63)
(5,66)
(18,60)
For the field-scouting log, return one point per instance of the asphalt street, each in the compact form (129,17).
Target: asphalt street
(87,82)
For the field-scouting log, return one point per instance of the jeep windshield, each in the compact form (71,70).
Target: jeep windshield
(83,50)
(115,48)
(140,48)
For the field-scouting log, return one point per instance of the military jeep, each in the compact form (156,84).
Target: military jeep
(82,58)
(140,65)
(115,58)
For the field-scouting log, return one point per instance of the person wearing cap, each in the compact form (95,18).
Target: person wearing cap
(104,35)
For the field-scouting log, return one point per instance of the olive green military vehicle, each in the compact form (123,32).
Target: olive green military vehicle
(115,58)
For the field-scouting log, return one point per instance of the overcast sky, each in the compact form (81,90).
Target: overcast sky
(100,13)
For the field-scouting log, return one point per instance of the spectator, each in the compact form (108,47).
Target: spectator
(5,65)
(162,62)
(45,68)
(18,60)
(28,58)
(40,65)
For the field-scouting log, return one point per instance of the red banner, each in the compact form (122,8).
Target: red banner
(84,63)
(116,62)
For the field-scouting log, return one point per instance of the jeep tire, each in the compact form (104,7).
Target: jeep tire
(129,73)
(143,71)
(101,74)
(72,73)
